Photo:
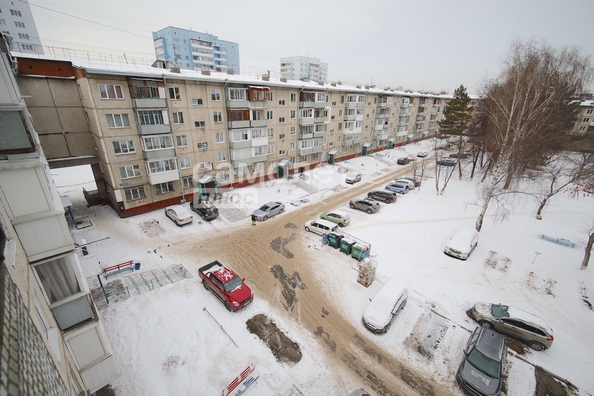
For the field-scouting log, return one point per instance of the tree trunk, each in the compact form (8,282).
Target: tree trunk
(540,208)
(588,252)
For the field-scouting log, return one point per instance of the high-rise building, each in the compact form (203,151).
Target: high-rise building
(195,50)
(303,67)
(17,21)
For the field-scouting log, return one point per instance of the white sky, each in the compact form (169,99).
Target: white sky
(421,45)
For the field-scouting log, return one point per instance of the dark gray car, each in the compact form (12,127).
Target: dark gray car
(482,369)
(205,209)
(367,205)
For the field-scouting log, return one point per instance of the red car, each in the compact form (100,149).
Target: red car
(226,285)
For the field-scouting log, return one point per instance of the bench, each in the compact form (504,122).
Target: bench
(114,269)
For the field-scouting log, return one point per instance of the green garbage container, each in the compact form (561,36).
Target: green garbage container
(334,240)
(346,246)
(360,251)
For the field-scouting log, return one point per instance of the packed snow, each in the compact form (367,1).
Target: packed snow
(180,340)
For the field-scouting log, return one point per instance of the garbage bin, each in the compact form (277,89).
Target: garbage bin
(334,240)
(136,266)
(360,251)
(346,246)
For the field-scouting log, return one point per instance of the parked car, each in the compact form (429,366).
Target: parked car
(403,161)
(179,215)
(416,181)
(410,183)
(206,210)
(462,155)
(359,392)
(446,162)
(482,369)
(398,187)
(383,195)
(462,243)
(422,154)
(268,210)
(226,285)
(514,323)
(365,204)
(353,178)
(385,306)
(321,226)
(337,216)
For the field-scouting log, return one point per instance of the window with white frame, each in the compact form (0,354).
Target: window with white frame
(321,96)
(589,111)
(134,194)
(117,120)
(270,149)
(270,132)
(187,182)
(217,116)
(178,118)
(269,115)
(306,113)
(215,94)
(293,97)
(158,142)
(239,135)
(292,160)
(237,94)
(260,150)
(174,93)
(240,171)
(582,128)
(281,102)
(202,145)
(240,154)
(293,114)
(184,163)
(150,117)
(257,168)
(281,136)
(586,119)
(222,156)
(292,146)
(111,91)
(162,165)
(220,137)
(129,171)
(223,174)
(205,165)
(164,188)
(181,140)
(258,133)
(197,102)
(314,156)
(257,115)
(59,278)
(281,119)
(124,147)
(302,158)
(269,96)
(200,124)
(282,152)
(293,130)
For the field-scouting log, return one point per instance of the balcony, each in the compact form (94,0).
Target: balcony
(150,102)
(383,105)
(156,129)
(319,120)
(381,135)
(257,123)
(355,105)
(162,153)
(306,120)
(238,104)
(240,144)
(319,134)
(303,136)
(44,236)
(350,117)
(238,124)
(379,127)
(73,312)
(257,104)
(404,105)
(163,177)
(248,161)
(261,141)
(307,105)
(383,115)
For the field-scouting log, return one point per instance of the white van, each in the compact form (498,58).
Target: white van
(462,243)
(385,306)
(321,227)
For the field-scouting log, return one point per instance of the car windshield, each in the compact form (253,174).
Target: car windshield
(484,364)
(233,284)
(499,311)
(264,208)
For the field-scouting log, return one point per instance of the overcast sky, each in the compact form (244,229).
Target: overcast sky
(428,45)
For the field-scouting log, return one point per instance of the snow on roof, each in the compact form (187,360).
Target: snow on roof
(224,274)
(528,317)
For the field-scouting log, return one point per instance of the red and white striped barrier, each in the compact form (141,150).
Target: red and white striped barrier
(241,383)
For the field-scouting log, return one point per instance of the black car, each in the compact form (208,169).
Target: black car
(482,369)
(447,162)
(383,195)
(205,209)
(403,161)
(462,155)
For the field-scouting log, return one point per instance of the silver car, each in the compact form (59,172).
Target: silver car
(366,204)
(514,323)
(268,210)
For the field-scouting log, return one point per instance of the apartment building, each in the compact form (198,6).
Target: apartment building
(584,124)
(17,21)
(51,337)
(196,51)
(163,135)
(304,68)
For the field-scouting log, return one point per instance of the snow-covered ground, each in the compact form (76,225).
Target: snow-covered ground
(165,343)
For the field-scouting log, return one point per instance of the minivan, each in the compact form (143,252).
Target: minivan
(321,227)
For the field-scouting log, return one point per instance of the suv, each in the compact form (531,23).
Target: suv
(514,323)
(384,196)
(482,369)
(366,204)
(205,209)
(353,178)
(403,161)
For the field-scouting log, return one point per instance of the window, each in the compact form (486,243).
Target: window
(187,182)
(117,120)
(218,116)
(238,135)
(2,21)
(197,102)
(223,175)
(162,165)
(257,168)
(129,171)
(222,156)
(269,115)
(181,140)
(293,97)
(110,91)
(586,119)
(19,24)
(134,194)
(124,147)
(314,156)
(215,94)
(269,96)
(331,144)
(178,118)
(237,94)
(158,142)
(282,152)
(293,114)
(293,144)
(281,102)
(184,163)
(293,130)
(220,137)
(333,103)
(199,124)
(302,158)
(15,13)
(203,145)
(58,278)
(204,165)
(281,136)
(281,119)
(150,117)
(589,111)
(163,188)
(340,126)
(174,93)
(270,132)
(23,36)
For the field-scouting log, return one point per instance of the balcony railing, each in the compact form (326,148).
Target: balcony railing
(163,177)
(155,129)
(150,102)
(162,153)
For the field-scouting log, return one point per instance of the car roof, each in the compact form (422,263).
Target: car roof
(176,208)
(272,203)
(327,223)
(338,212)
(528,318)
(491,344)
